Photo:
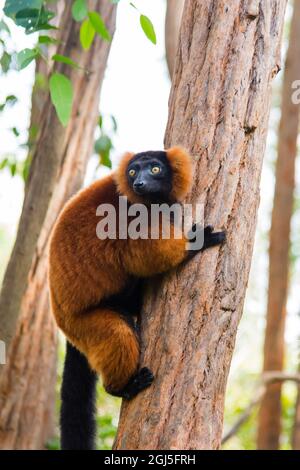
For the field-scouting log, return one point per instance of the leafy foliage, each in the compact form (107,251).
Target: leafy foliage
(104,144)
(65,60)
(26,56)
(34,20)
(99,25)
(146,25)
(10,162)
(12,7)
(107,429)
(87,33)
(79,10)
(5,61)
(4,27)
(9,100)
(47,40)
(148,28)
(33,16)
(30,14)
(61,91)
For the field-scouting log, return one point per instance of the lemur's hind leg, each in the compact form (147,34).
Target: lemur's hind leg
(138,382)
(112,348)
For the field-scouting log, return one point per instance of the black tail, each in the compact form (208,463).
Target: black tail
(78,395)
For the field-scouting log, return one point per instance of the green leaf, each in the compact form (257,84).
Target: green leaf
(15,131)
(114,122)
(3,163)
(87,33)
(26,56)
(25,171)
(79,10)
(5,61)
(148,28)
(105,159)
(99,25)
(65,60)
(13,168)
(34,20)
(11,99)
(4,27)
(103,146)
(14,6)
(47,40)
(40,82)
(61,91)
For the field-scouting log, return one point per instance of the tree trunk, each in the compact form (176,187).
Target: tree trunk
(296,427)
(172,27)
(269,424)
(219,108)
(40,90)
(61,155)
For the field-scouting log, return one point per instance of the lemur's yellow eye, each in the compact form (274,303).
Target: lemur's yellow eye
(131,172)
(155,170)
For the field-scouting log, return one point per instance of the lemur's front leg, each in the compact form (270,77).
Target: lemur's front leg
(210,238)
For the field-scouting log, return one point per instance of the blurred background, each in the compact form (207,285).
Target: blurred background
(134,106)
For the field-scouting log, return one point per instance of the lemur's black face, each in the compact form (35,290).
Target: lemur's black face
(150,176)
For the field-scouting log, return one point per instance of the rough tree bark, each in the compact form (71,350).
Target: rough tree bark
(26,384)
(172,26)
(219,107)
(269,423)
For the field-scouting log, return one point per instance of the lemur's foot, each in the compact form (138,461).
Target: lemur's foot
(141,380)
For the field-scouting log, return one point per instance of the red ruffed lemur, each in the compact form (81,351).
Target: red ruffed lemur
(95,284)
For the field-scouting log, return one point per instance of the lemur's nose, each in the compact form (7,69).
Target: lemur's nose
(138,184)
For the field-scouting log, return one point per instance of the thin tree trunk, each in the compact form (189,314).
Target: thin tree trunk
(61,155)
(219,107)
(172,26)
(296,427)
(269,424)
(40,90)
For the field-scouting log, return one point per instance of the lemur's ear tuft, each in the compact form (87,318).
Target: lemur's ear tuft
(181,164)
(121,180)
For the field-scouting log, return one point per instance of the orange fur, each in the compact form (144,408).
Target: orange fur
(84,270)
(181,165)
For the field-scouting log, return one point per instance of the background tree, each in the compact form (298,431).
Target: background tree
(296,426)
(219,107)
(172,26)
(269,426)
(58,166)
